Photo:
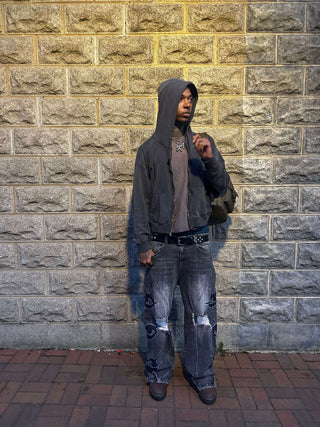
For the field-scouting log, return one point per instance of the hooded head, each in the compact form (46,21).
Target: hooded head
(169,96)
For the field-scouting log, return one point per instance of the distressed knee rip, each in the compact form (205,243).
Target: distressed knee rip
(201,320)
(162,324)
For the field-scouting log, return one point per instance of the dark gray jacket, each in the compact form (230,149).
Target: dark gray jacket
(153,189)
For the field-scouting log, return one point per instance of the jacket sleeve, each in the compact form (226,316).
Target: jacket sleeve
(216,175)
(141,202)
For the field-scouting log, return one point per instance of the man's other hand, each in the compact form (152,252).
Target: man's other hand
(203,147)
(145,258)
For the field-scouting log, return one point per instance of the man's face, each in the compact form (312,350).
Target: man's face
(184,107)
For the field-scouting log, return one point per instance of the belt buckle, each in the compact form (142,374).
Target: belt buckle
(179,241)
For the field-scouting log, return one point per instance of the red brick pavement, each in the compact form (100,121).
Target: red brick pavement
(95,388)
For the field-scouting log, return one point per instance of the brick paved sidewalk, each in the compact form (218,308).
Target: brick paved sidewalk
(90,388)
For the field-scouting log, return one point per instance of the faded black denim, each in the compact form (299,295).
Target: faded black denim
(190,267)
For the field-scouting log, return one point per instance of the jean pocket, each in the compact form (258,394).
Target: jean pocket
(205,247)
(157,248)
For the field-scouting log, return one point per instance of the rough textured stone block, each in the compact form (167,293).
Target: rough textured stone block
(94,18)
(66,50)
(20,227)
(310,197)
(5,142)
(313,81)
(125,50)
(309,255)
(312,140)
(3,81)
(249,170)
(70,170)
(296,170)
(9,310)
(47,310)
(100,255)
(212,18)
(227,310)
(36,81)
(99,199)
(270,199)
(294,337)
(71,227)
(117,170)
(8,255)
(313,18)
(247,336)
(308,310)
(99,141)
(42,199)
(175,50)
(137,137)
(266,309)
(273,17)
(227,139)
(295,283)
(231,282)
(268,255)
(204,115)
(104,81)
(155,18)
(302,49)
(127,111)
(45,255)
(258,111)
(19,170)
(275,80)
(40,141)
(298,111)
(226,255)
(217,80)
(246,50)
(143,81)
(244,228)
(275,140)
(17,112)
(102,309)
(306,227)
(40,18)
(123,281)
(69,112)
(16,50)
(22,282)
(115,227)
(6,197)
(76,282)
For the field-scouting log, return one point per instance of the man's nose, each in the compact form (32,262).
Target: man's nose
(187,102)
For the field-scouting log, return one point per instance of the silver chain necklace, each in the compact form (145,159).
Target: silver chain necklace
(180,144)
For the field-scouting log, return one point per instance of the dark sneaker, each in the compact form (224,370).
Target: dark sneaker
(208,395)
(158,391)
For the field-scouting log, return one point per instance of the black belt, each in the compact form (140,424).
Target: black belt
(180,240)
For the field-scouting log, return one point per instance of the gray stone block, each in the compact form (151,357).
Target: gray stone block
(266,310)
(205,112)
(9,310)
(199,49)
(242,337)
(313,18)
(71,227)
(298,111)
(226,255)
(299,49)
(47,309)
(97,81)
(137,137)
(45,255)
(306,227)
(19,170)
(70,171)
(100,255)
(213,18)
(109,308)
(294,337)
(126,50)
(243,228)
(268,255)
(16,50)
(312,140)
(75,282)
(227,310)
(227,138)
(123,281)
(253,283)
(295,283)
(66,50)
(8,255)
(3,78)
(275,80)
(98,141)
(270,199)
(308,255)
(99,199)
(296,170)
(268,141)
(127,111)
(37,81)
(69,112)
(245,111)
(42,199)
(6,197)
(310,197)
(308,310)
(218,80)
(117,171)
(115,227)
(24,336)
(145,81)
(312,81)
(20,228)
(5,143)
(17,112)
(273,17)
(126,337)
(150,18)
(22,282)
(41,141)
(242,170)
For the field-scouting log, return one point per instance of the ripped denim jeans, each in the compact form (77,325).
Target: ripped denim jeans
(190,267)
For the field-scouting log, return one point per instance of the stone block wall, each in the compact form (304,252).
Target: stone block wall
(78,85)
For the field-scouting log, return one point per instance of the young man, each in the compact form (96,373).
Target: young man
(176,172)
